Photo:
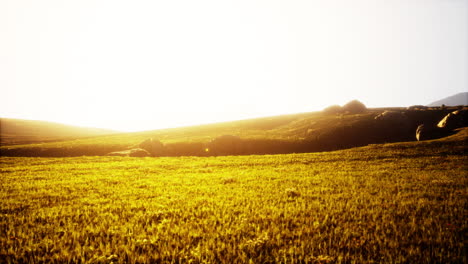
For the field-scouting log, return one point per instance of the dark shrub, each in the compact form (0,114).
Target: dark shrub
(153,146)
(354,107)
(333,109)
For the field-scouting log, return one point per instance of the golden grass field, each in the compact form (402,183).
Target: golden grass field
(387,203)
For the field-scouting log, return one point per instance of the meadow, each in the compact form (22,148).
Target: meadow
(388,203)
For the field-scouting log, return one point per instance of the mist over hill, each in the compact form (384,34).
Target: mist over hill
(454,100)
(19,131)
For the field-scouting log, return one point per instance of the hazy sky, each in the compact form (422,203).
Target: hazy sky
(137,65)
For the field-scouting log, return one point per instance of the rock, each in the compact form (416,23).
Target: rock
(454,120)
(425,132)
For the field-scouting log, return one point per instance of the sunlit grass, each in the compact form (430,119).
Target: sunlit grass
(401,203)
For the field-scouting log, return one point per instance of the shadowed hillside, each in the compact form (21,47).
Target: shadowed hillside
(296,133)
(18,131)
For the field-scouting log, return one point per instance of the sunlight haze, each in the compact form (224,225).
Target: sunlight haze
(141,65)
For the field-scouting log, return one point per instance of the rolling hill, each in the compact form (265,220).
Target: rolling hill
(19,131)
(296,133)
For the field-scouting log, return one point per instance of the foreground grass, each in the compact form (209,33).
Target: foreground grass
(400,203)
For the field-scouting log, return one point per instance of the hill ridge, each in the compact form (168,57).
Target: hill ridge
(453,100)
(24,131)
(294,133)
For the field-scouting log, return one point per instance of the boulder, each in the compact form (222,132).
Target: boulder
(425,132)
(454,120)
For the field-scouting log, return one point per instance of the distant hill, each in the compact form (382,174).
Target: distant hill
(19,131)
(454,100)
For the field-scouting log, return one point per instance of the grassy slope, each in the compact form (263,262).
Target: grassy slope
(306,132)
(391,203)
(18,131)
(201,133)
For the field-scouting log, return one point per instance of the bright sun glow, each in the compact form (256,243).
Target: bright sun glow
(139,65)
